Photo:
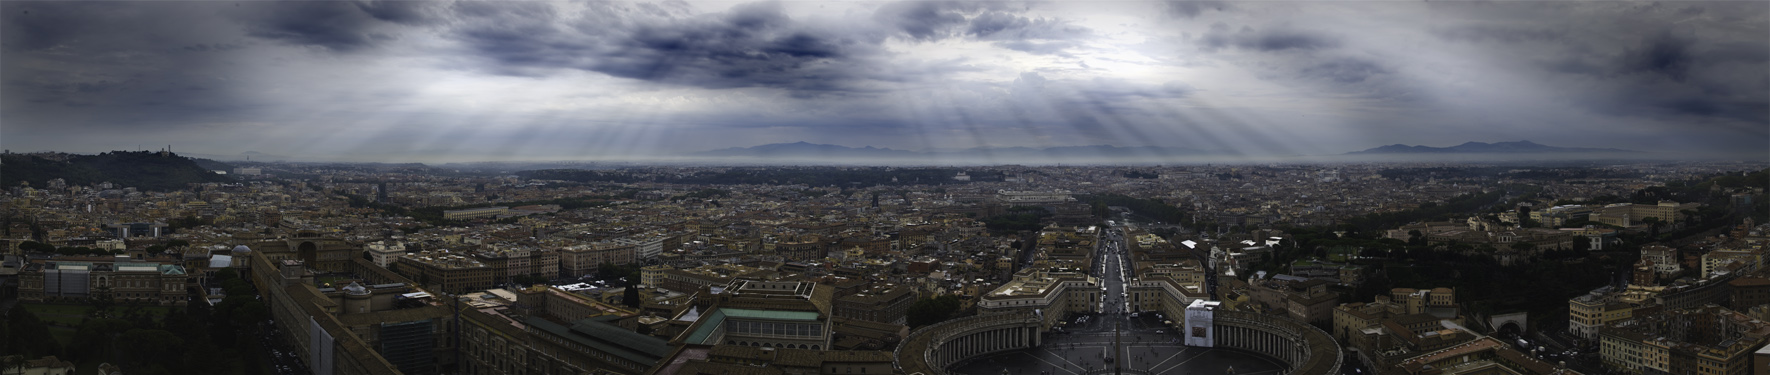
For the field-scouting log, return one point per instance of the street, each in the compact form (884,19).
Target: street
(1145,343)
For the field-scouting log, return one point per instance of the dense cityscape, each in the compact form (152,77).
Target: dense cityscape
(910,187)
(1396,268)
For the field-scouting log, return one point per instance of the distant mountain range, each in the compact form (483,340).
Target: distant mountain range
(813,150)
(1519,147)
(245,156)
(805,150)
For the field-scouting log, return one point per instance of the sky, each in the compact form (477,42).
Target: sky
(440,81)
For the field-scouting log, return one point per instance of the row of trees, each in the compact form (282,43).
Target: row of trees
(1018,218)
(193,340)
(931,310)
(1461,205)
(39,247)
(433,215)
(147,171)
(1151,208)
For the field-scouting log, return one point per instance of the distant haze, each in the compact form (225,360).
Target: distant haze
(939,82)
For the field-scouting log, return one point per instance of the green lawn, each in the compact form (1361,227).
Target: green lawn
(63,335)
(71,315)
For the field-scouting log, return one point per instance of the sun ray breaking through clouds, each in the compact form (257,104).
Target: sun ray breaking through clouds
(537,80)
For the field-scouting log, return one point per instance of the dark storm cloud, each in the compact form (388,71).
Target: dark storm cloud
(211,47)
(925,20)
(998,25)
(1268,39)
(935,20)
(114,65)
(752,45)
(397,11)
(36,26)
(1671,75)
(335,25)
(1192,9)
(1345,70)
(1482,33)
(1671,100)
(1039,36)
(1664,53)
(822,71)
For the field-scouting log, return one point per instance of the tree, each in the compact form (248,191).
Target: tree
(931,310)
(150,350)
(28,336)
(13,361)
(1653,224)
(34,246)
(631,296)
(226,274)
(95,340)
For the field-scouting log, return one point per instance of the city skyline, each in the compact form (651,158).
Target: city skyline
(483,81)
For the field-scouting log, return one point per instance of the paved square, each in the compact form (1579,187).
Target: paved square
(1144,349)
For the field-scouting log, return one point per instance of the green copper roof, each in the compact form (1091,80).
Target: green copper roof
(713,321)
(770,314)
(708,324)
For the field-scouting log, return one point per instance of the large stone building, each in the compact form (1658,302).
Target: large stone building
(1050,294)
(1306,300)
(1591,311)
(1032,198)
(583,260)
(313,250)
(776,314)
(1167,288)
(385,253)
(472,213)
(1709,340)
(1406,305)
(509,263)
(1626,214)
(560,305)
(884,303)
(119,279)
(546,330)
(693,279)
(446,271)
(649,245)
(597,344)
(738,359)
(495,344)
(773,327)
(381,324)
(1715,262)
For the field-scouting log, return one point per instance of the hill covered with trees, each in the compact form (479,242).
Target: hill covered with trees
(143,170)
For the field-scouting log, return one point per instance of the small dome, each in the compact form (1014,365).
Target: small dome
(356,289)
(242,249)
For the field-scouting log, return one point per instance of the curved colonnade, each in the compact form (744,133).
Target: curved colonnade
(929,350)
(1304,349)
